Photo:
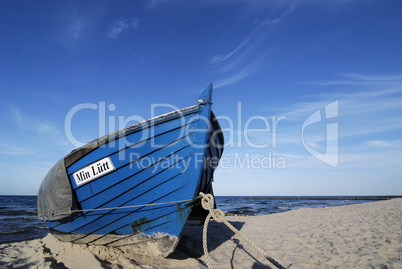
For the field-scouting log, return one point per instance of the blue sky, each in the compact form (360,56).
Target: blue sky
(271,63)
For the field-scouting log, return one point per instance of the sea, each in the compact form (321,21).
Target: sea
(19,220)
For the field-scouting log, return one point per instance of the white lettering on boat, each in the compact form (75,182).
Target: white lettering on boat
(93,171)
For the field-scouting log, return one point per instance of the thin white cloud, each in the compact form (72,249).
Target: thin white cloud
(384,143)
(117,28)
(120,26)
(357,79)
(361,159)
(235,60)
(367,113)
(251,42)
(24,121)
(156,3)
(15,149)
(274,21)
(378,94)
(222,58)
(77,22)
(233,79)
(74,30)
(336,82)
(363,77)
(134,23)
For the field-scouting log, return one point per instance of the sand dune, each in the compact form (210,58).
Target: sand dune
(354,236)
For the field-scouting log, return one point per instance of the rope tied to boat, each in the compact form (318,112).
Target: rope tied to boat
(191,201)
(207,202)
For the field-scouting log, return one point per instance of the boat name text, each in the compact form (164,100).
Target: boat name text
(93,171)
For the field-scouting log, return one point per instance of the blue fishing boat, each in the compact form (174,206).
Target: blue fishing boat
(136,186)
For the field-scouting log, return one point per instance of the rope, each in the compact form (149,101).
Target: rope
(129,206)
(207,203)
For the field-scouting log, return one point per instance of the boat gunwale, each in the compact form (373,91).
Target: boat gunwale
(84,150)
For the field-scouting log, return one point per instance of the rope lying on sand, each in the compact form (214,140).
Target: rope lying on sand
(207,203)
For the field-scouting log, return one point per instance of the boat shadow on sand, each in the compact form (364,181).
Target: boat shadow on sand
(190,244)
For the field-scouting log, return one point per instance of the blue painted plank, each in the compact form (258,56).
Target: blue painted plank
(129,140)
(126,172)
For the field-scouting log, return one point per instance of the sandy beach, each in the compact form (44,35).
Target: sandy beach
(354,236)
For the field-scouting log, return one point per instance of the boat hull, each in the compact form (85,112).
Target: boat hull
(139,185)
